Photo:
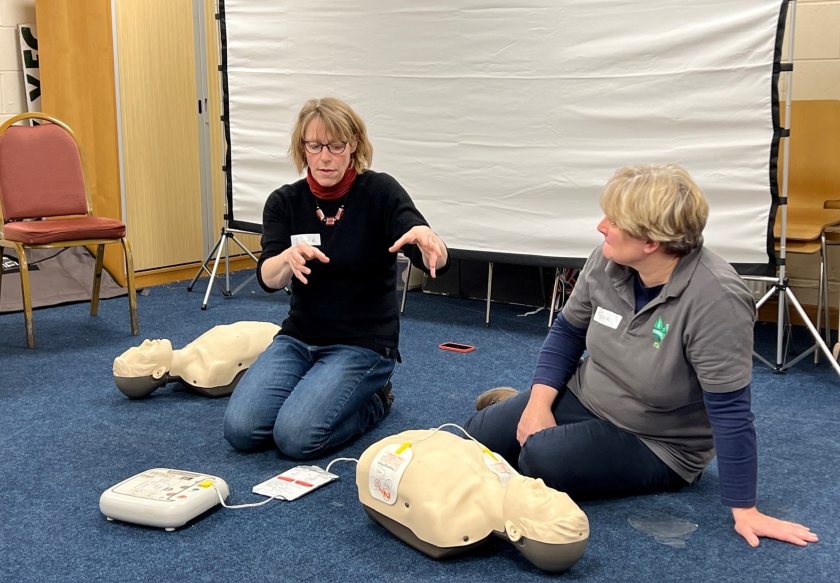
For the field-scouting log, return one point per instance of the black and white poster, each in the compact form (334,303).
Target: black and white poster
(29,66)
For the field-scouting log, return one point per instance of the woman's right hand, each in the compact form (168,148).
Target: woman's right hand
(277,272)
(537,414)
(298,256)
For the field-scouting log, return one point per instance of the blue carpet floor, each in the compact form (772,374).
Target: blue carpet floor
(67,434)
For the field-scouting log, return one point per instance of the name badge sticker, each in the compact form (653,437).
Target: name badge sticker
(313,239)
(607,318)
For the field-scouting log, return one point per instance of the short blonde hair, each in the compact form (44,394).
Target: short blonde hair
(340,122)
(657,202)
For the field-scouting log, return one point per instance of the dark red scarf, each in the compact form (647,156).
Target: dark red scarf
(332,192)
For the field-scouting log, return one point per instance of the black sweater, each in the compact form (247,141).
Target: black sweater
(352,299)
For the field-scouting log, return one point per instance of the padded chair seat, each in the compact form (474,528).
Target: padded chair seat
(45,202)
(51,231)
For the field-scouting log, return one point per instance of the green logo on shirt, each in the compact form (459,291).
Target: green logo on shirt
(660,329)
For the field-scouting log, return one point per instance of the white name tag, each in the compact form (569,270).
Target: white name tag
(308,238)
(607,318)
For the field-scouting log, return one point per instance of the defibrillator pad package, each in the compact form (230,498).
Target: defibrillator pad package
(294,483)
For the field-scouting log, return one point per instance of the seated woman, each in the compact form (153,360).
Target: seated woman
(333,235)
(668,330)
(211,364)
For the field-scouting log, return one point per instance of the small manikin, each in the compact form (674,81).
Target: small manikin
(211,364)
(443,495)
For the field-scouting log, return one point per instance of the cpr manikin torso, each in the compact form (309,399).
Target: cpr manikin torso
(453,494)
(211,364)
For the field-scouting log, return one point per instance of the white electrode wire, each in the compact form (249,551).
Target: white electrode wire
(251,505)
(484,449)
(435,430)
(347,459)
(455,426)
(267,500)
(341,459)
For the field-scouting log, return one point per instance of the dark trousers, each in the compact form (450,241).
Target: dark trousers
(584,456)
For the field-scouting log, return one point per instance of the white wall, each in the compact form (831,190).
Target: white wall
(12,97)
(816,50)
(816,77)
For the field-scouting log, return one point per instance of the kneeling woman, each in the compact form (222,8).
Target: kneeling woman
(325,379)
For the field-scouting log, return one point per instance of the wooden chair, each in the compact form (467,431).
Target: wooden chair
(45,203)
(807,230)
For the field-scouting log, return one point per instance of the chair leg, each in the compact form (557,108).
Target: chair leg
(23,264)
(2,257)
(132,292)
(822,301)
(97,279)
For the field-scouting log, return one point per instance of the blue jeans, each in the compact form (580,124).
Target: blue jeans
(307,399)
(584,456)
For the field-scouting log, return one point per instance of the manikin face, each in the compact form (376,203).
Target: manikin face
(327,168)
(537,512)
(621,247)
(152,357)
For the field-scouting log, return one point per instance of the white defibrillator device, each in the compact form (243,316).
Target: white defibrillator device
(162,497)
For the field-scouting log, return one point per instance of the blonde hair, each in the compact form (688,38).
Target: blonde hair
(657,202)
(340,122)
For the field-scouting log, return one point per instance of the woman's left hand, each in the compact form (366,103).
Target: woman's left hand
(430,245)
(752,524)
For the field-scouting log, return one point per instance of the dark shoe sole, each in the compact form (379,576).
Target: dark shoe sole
(493,396)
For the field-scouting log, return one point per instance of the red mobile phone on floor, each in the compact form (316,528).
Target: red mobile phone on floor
(456,347)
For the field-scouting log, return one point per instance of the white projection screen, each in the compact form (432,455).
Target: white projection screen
(504,121)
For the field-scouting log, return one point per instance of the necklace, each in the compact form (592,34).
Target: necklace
(330,221)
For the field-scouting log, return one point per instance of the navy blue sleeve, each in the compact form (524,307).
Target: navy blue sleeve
(560,353)
(732,426)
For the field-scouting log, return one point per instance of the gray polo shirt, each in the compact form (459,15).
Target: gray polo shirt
(645,372)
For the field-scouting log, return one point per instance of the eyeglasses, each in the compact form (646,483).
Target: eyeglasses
(333,147)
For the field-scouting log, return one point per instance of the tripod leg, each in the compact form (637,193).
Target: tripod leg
(814,332)
(405,287)
(226,291)
(213,274)
(553,305)
(489,292)
(205,262)
(243,247)
(251,255)
(780,333)
(822,299)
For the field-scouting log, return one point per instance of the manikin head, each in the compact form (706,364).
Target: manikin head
(542,522)
(140,370)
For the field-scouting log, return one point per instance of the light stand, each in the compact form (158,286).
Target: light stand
(780,288)
(227,234)
(225,237)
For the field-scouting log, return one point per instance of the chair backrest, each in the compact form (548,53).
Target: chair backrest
(41,173)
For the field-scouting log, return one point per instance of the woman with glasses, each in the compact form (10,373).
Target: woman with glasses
(667,328)
(333,238)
